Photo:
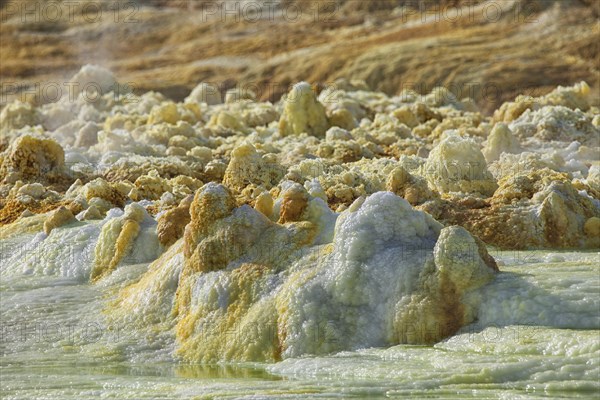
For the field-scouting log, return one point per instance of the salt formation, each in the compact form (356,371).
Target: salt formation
(456,164)
(593,178)
(315,224)
(556,123)
(101,189)
(235,279)
(57,218)
(17,115)
(172,223)
(237,95)
(362,292)
(387,267)
(303,113)
(540,208)
(93,81)
(116,240)
(500,140)
(248,167)
(205,93)
(31,157)
(342,110)
(412,188)
(575,97)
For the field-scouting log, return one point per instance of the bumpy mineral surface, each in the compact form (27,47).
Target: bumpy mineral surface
(338,212)
(525,178)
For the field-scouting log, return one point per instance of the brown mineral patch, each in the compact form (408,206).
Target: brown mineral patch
(295,201)
(12,209)
(171,225)
(34,158)
(57,218)
(451,309)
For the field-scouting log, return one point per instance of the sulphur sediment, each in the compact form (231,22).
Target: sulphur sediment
(328,221)
(116,239)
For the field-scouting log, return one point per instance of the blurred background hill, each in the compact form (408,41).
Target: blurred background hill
(488,50)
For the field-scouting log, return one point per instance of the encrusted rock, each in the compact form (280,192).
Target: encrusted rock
(294,203)
(500,140)
(172,223)
(61,216)
(303,113)
(456,164)
(248,167)
(34,158)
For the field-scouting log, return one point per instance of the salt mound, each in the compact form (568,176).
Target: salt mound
(556,123)
(565,215)
(412,188)
(386,266)
(342,110)
(457,164)
(93,80)
(60,216)
(536,209)
(205,93)
(17,115)
(117,239)
(573,97)
(593,178)
(363,293)
(248,167)
(303,113)
(500,140)
(172,223)
(31,157)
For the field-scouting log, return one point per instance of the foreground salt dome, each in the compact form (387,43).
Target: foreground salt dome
(391,275)
(325,222)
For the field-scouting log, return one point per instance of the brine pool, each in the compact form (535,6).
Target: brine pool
(537,335)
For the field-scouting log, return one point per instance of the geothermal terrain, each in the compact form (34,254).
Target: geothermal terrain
(262,191)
